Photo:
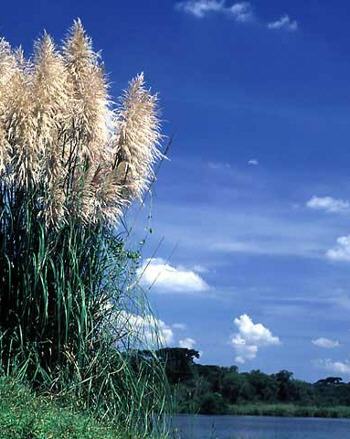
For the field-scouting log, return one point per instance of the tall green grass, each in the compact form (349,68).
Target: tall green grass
(69,165)
(62,293)
(24,415)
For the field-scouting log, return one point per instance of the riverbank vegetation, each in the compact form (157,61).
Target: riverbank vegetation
(26,415)
(289,410)
(208,389)
(71,162)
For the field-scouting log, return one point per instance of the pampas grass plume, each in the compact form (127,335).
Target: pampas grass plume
(62,138)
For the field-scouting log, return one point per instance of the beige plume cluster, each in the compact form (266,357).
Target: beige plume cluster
(63,140)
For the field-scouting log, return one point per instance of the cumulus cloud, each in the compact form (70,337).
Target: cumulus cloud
(328,204)
(341,252)
(145,329)
(249,338)
(187,343)
(341,367)
(241,11)
(284,23)
(163,277)
(326,343)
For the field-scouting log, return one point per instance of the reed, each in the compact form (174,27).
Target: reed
(70,163)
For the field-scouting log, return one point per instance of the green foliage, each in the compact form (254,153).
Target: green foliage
(27,415)
(179,363)
(62,293)
(216,390)
(24,416)
(212,404)
(289,410)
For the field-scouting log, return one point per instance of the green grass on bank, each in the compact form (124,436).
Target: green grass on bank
(290,410)
(23,415)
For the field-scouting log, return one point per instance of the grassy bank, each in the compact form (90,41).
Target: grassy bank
(290,410)
(24,415)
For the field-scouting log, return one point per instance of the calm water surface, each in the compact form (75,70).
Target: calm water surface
(252,427)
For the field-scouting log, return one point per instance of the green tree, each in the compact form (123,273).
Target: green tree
(179,363)
(264,386)
(212,403)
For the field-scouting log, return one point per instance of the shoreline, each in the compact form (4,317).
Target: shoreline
(283,411)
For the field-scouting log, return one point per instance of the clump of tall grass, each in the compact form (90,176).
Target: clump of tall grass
(70,162)
(23,414)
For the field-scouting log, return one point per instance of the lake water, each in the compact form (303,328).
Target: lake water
(252,427)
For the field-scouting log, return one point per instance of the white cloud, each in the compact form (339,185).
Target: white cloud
(341,252)
(250,337)
(326,343)
(284,23)
(253,162)
(244,351)
(199,8)
(145,329)
(241,11)
(187,343)
(163,277)
(328,204)
(342,367)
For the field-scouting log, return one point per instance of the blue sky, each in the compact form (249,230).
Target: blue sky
(254,267)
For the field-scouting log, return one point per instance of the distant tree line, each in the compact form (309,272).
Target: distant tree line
(214,389)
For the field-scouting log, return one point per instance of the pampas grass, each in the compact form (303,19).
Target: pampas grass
(62,136)
(70,163)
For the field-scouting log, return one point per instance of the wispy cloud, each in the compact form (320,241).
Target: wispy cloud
(163,277)
(179,326)
(284,23)
(264,231)
(253,162)
(272,243)
(341,367)
(249,338)
(219,165)
(341,252)
(326,343)
(241,11)
(200,8)
(328,204)
(200,269)
(340,301)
